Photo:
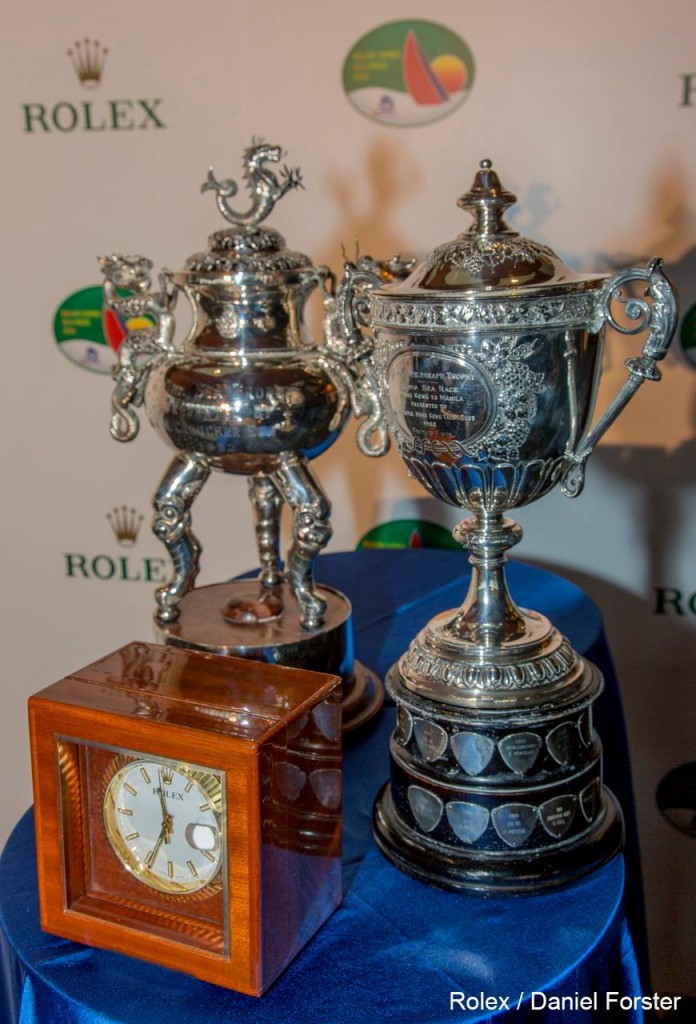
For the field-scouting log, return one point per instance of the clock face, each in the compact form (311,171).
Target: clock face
(164,823)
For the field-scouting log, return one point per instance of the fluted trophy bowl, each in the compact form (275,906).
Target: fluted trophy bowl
(488,359)
(488,425)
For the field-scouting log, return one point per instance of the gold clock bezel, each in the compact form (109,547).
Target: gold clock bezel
(208,781)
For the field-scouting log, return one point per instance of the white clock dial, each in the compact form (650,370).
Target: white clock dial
(163,820)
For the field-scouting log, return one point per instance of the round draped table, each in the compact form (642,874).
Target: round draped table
(396,949)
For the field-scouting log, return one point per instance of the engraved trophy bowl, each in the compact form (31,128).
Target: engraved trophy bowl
(488,358)
(247,392)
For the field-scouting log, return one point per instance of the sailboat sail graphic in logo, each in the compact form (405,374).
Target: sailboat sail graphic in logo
(408,73)
(420,78)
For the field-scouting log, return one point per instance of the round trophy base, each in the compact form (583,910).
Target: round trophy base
(505,797)
(511,872)
(203,626)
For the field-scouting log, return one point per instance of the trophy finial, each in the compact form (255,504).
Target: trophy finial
(486,201)
(265,188)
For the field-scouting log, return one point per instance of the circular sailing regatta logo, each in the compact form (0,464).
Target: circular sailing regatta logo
(78,329)
(408,73)
(90,335)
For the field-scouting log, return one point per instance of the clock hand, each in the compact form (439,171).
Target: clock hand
(161,794)
(167,820)
(152,856)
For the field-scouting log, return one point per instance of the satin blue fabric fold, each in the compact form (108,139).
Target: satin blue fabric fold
(395,949)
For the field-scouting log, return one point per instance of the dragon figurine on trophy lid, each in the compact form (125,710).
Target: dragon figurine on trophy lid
(249,392)
(488,359)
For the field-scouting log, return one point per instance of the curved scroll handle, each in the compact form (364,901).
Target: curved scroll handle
(660,316)
(143,347)
(346,316)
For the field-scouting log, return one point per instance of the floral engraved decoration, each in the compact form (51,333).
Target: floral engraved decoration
(478,255)
(517,387)
(570,310)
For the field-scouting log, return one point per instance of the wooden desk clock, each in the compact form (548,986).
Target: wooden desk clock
(188,810)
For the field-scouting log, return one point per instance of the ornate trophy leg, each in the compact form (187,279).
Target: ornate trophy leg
(311,531)
(252,604)
(267,503)
(249,393)
(172,524)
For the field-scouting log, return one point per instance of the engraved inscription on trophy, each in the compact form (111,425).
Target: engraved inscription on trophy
(440,403)
(468,821)
(514,823)
(473,751)
(557,814)
(488,361)
(519,751)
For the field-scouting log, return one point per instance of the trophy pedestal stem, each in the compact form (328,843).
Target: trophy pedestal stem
(490,653)
(204,625)
(489,616)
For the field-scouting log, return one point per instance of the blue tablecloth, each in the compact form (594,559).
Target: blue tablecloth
(396,949)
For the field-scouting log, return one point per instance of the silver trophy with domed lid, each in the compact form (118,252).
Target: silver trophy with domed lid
(488,358)
(247,392)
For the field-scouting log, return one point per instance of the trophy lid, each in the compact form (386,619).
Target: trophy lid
(490,255)
(253,252)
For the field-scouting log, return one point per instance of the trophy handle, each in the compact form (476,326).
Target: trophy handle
(660,315)
(346,318)
(347,349)
(143,347)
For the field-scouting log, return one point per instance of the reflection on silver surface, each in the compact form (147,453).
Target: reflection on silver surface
(488,358)
(248,392)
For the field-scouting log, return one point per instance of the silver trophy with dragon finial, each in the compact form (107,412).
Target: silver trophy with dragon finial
(248,392)
(488,358)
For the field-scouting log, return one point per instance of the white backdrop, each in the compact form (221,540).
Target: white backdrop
(580,107)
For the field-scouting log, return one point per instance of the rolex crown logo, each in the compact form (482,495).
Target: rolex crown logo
(88,57)
(125,522)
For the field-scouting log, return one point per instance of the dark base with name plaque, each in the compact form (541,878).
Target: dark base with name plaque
(506,800)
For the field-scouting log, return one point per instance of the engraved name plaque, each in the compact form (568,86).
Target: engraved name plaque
(439,401)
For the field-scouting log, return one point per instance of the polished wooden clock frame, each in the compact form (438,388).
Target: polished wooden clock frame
(270,736)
